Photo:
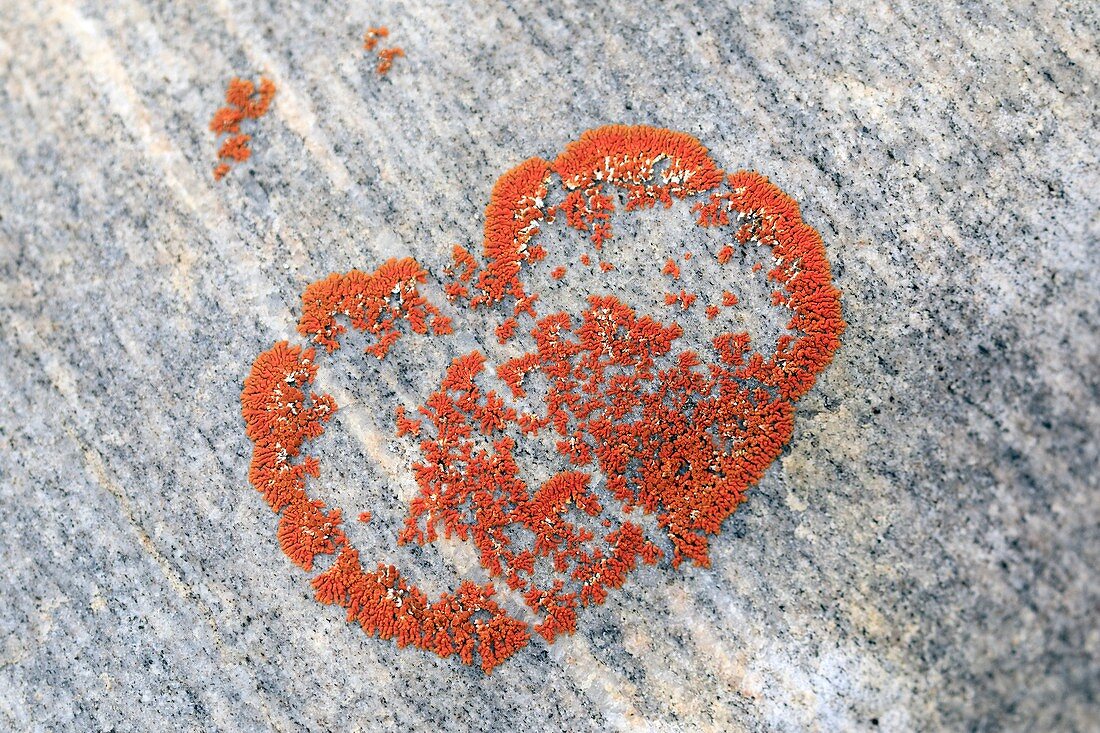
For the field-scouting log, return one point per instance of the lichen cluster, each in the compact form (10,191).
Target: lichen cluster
(665,430)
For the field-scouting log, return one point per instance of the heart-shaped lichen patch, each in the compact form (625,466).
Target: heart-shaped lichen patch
(637,420)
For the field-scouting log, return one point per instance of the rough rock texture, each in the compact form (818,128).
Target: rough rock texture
(924,555)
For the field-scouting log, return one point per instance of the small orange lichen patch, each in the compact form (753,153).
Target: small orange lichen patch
(386,56)
(235,148)
(631,414)
(559,272)
(461,271)
(244,101)
(386,605)
(506,329)
(372,303)
(371,37)
(365,517)
(684,298)
(671,269)
(227,120)
(464,260)
(405,425)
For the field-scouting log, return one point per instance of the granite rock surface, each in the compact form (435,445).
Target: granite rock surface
(923,556)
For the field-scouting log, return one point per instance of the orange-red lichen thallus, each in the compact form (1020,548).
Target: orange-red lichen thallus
(244,101)
(386,56)
(635,416)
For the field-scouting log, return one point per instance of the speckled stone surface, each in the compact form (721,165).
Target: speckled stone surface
(923,556)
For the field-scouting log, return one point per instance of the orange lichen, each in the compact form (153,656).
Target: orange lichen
(365,517)
(244,101)
(235,148)
(405,425)
(371,302)
(227,120)
(464,260)
(371,37)
(244,98)
(633,416)
(506,329)
(753,423)
(258,104)
(386,57)
(671,269)
(559,272)
(684,298)
(386,605)
(614,156)
(280,419)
